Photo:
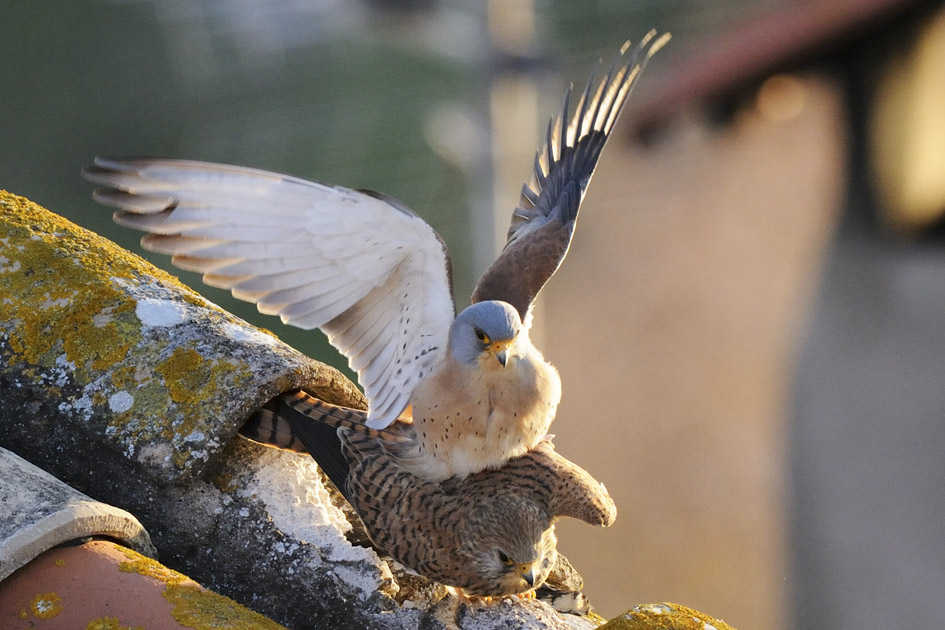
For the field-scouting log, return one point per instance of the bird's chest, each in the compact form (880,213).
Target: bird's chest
(469,420)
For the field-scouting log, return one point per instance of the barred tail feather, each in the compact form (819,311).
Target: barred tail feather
(338,417)
(268,428)
(296,421)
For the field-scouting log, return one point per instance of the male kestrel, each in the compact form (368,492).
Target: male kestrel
(489,534)
(374,277)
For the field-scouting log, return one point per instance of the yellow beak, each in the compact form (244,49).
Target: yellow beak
(527,571)
(500,349)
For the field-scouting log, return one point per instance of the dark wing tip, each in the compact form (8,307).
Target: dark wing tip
(575,139)
(543,224)
(105,166)
(131,202)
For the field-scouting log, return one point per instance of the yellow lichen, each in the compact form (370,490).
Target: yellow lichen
(666,616)
(46,605)
(594,617)
(186,374)
(104,257)
(69,317)
(59,307)
(146,566)
(60,293)
(197,608)
(225,482)
(109,623)
(59,301)
(122,375)
(191,381)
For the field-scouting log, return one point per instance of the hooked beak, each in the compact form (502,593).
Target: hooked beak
(500,349)
(527,571)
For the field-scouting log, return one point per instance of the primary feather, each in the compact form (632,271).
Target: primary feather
(543,223)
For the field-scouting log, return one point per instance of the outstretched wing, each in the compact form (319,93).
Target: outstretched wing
(360,266)
(543,224)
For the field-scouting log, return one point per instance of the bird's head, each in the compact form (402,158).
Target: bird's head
(515,548)
(485,333)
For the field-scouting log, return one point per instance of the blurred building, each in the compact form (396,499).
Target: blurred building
(776,395)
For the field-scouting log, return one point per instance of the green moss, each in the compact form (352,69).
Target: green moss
(197,608)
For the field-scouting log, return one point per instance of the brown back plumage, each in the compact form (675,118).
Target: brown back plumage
(456,538)
(452,531)
(542,476)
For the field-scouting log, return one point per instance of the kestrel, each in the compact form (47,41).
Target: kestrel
(374,277)
(489,534)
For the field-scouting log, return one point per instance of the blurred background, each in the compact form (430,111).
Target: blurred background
(750,326)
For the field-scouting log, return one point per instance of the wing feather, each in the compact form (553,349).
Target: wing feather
(316,311)
(271,282)
(350,262)
(238,267)
(543,223)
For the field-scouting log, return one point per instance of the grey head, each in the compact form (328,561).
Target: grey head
(511,546)
(485,329)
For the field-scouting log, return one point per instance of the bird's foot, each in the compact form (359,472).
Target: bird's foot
(487,600)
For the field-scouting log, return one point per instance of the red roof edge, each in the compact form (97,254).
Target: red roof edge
(775,42)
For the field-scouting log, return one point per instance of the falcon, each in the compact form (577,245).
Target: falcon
(374,277)
(488,534)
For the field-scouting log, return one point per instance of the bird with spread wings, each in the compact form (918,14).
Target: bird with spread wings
(374,277)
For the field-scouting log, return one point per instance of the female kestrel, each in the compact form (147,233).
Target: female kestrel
(490,533)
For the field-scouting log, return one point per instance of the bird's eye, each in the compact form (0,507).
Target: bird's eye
(482,336)
(504,558)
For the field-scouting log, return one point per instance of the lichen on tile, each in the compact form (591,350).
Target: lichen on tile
(144,565)
(109,623)
(200,609)
(46,605)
